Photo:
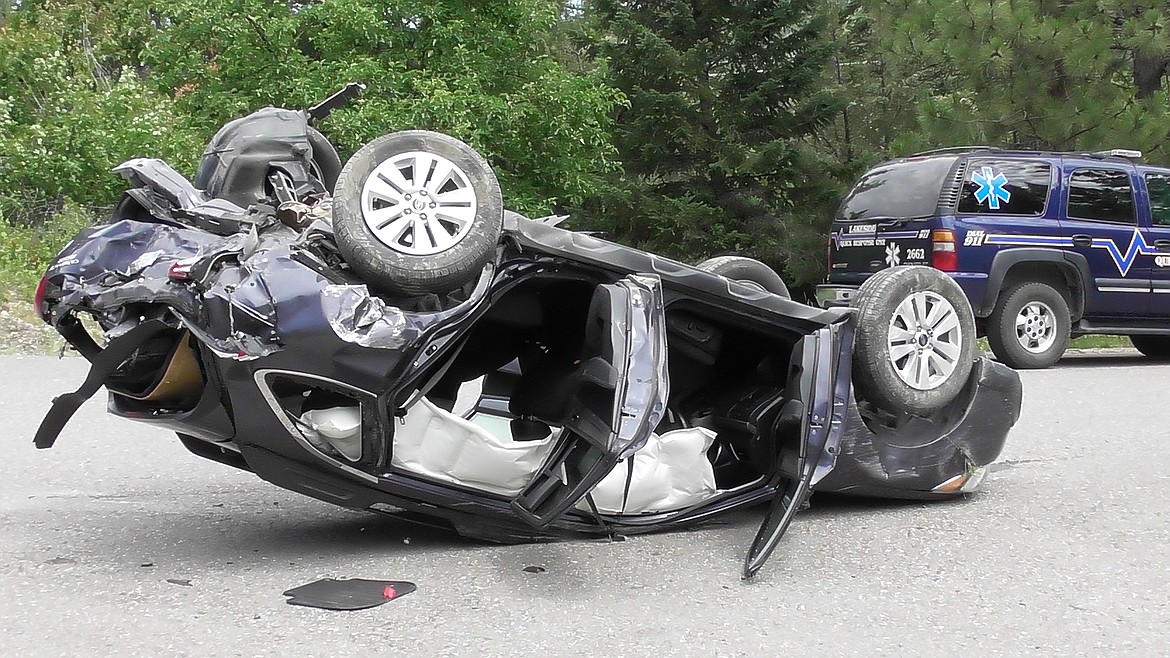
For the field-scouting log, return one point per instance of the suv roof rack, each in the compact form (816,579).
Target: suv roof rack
(1128,154)
(955,149)
(1123,154)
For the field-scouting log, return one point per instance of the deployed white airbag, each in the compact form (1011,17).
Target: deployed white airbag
(671,472)
(438,444)
(339,427)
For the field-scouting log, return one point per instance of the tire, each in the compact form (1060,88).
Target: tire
(1154,347)
(900,363)
(1044,324)
(417,256)
(326,163)
(748,271)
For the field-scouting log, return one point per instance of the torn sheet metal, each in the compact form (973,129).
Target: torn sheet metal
(361,318)
(220,288)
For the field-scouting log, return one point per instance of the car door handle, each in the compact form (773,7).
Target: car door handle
(1162,245)
(1082,240)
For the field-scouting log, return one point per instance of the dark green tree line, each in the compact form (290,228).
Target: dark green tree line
(689,127)
(717,141)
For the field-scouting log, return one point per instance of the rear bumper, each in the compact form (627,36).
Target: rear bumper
(931,458)
(974,285)
(833,295)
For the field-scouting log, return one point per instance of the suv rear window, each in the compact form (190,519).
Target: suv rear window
(1005,187)
(1104,195)
(903,188)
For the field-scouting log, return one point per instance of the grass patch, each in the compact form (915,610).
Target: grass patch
(1094,342)
(28,250)
(1082,343)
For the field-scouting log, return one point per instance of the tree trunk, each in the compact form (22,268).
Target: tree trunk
(1148,70)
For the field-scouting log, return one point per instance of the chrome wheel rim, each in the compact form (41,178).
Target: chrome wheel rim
(1036,327)
(418,204)
(925,340)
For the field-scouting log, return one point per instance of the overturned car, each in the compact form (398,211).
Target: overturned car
(385,336)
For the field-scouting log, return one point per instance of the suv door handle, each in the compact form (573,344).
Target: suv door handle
(1162,245)
(1082,240)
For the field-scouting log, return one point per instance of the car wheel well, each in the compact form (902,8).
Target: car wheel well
(1062,278)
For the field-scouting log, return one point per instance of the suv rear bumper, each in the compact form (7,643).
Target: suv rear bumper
(974,285)
(831,295)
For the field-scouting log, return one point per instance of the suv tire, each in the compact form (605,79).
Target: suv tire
(457,201)
(1029,327)
(1155,347)
(915,343)
(748,271)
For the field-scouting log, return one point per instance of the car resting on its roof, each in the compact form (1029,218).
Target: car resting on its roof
(389,338)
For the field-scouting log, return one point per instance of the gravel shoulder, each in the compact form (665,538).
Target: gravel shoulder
(21,332)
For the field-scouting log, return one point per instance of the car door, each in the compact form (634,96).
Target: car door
(825,358)
(1157,230)
(617,397)
(1101,224)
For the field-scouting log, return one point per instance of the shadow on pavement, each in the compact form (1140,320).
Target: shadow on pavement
(1089,360)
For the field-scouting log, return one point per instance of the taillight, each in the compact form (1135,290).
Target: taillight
(39,297)
(943,255)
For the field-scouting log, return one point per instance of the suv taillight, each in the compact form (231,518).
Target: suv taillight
(943,255)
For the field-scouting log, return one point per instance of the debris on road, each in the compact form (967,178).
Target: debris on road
(351,594)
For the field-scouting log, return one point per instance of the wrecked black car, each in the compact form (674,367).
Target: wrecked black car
(386,336)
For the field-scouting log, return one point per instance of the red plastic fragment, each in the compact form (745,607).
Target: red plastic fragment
(180,271)
(389,593)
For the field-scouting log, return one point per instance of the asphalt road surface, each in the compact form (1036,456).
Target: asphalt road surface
(1064,551)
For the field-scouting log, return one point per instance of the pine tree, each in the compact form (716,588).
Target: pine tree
(1045,74)
(724,100)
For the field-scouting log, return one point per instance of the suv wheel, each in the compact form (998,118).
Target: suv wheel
(1029,327)
(915,340)
(1155,347)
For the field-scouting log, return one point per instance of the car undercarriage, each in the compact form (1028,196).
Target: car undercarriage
(565,385)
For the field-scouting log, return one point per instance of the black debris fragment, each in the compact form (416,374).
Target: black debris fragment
(535,569)
(183,582)
(351,594)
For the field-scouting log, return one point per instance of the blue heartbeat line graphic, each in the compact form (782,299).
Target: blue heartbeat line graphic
(1124,261)
(1137,246)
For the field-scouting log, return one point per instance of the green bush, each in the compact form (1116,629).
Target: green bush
(28,250)
(72,106)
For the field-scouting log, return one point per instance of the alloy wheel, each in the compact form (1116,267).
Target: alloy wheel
(418,203)
(925,340)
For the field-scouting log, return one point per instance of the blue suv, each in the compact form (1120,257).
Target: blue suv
(1046,246)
